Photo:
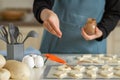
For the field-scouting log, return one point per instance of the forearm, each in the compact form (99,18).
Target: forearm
(110,18)
(39,5)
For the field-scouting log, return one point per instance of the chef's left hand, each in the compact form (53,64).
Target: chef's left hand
(98,33)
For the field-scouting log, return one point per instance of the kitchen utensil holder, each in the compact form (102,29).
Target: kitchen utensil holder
(15,51)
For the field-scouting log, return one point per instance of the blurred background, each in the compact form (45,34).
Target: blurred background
(20,13)
(14,10)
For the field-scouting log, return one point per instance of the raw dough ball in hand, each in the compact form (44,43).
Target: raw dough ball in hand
(4,74)
(18,70)
(2,61)
(90,26)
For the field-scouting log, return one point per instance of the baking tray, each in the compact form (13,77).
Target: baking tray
(72,59)
(51,69)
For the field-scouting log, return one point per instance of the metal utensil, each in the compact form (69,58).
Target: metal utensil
(2,38)
(16,34)
(11,30)
(30,34)
(4,34)
(20,38)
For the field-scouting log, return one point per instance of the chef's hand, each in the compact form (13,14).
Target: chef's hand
(98,34)
(51,22)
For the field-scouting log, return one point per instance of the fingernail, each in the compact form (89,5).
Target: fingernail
(59,36)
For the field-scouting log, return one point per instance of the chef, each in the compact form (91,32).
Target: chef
(63,21)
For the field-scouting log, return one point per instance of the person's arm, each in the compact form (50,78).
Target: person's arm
(39,5)
(110,18)
(43,13)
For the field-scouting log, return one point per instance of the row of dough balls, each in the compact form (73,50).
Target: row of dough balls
(99,59)
(82,68)
(99,55)
(92,71)
(91,74)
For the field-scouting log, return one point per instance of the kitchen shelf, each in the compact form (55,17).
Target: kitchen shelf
(21,23)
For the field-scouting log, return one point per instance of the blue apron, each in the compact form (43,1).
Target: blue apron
(73,15)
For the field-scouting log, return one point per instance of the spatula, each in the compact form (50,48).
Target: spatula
(30,34)
(54,58)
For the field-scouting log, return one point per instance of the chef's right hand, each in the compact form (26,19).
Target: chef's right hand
(51,22)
